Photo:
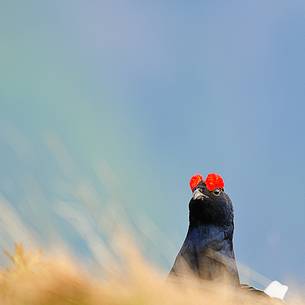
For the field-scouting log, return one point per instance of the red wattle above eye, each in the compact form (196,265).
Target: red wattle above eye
(214,181)
(195,180)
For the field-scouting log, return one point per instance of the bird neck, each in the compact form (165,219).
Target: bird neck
(210,231)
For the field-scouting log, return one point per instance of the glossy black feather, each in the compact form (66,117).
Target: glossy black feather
(207,251)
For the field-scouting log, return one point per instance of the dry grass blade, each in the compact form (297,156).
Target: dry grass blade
(33,279)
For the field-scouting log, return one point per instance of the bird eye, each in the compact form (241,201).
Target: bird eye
(217,192)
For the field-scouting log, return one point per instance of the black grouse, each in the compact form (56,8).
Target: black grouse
(207,251)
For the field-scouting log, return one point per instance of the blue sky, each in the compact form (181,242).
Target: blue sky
(133,97)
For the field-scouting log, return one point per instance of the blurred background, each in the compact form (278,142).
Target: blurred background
(108,108)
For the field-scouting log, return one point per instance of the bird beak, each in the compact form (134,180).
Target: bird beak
(199,195)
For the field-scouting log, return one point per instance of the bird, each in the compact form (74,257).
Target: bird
(207,251)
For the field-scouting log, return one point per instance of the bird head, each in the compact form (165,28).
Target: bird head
(209,203)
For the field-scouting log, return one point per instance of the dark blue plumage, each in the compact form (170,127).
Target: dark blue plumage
(207,251)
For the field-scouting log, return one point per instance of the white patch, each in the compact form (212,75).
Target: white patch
(276,290)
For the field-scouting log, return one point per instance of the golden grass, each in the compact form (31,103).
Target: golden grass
(35,279)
